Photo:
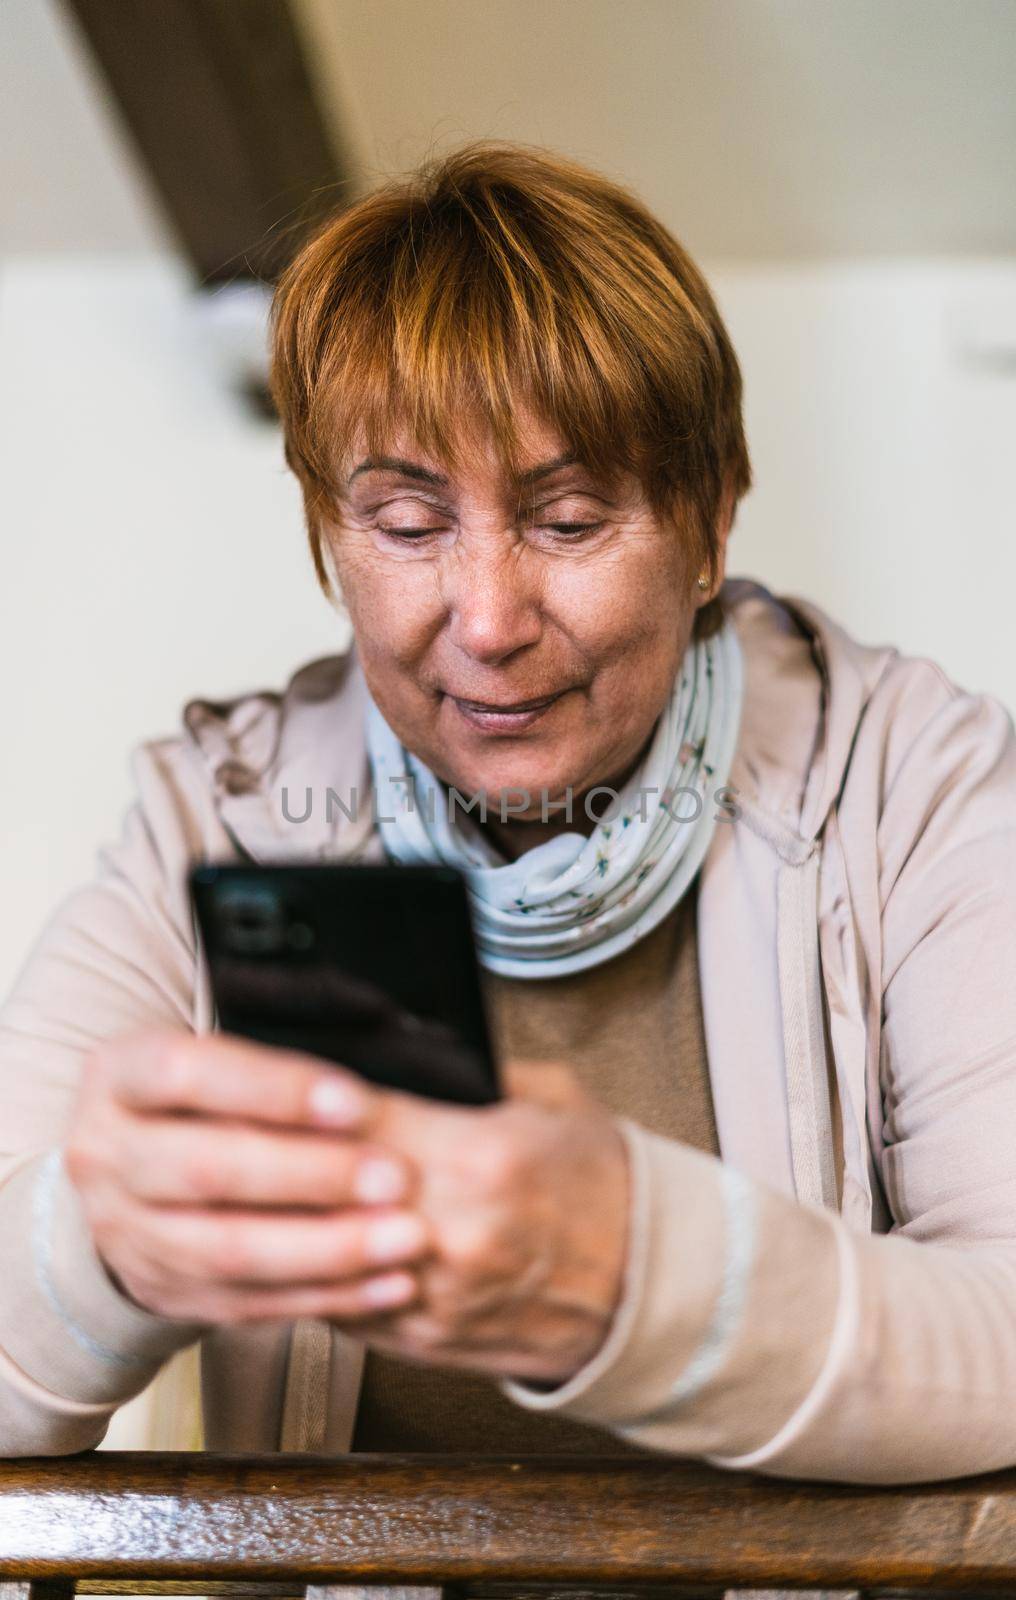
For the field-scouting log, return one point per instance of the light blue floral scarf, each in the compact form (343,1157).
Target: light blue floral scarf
(572,901)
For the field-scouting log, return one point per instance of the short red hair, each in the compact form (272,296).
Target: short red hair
(502,277)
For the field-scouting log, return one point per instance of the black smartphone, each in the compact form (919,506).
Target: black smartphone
(373,967)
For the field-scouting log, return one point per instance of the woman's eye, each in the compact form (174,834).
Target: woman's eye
(573,530)
(406,533)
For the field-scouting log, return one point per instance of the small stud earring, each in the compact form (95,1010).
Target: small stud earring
(703,581)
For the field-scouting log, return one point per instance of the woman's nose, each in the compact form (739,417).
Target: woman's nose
(494,606)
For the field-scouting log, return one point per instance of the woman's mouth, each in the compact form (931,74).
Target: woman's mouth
(503,717)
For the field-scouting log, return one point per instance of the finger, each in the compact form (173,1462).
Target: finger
(217,1162)
(242,1248)
(367,1301)
(363,1302)
(219,1075)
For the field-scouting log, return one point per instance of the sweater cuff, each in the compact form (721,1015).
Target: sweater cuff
(724,1333)
(62,1319)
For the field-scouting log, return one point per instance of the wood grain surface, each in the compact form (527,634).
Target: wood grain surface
(434,1521)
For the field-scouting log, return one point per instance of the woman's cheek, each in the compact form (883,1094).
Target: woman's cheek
(622,597)
(393,605)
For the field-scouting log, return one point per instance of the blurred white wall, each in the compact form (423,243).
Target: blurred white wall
(881,416)
(153,549)
(758,129)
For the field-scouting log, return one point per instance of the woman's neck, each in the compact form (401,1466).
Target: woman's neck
(513,836)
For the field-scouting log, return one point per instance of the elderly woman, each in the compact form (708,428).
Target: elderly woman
(744,896)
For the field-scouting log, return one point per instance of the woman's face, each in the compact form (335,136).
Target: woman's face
(516,636)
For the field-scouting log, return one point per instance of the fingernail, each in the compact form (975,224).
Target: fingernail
(394,1290)
(394,1238)
(336,1103)
(379,1181)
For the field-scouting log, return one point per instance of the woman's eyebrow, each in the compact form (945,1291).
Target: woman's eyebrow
(534,474)
(412,469)
(405,469)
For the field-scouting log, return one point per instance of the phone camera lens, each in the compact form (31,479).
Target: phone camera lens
(253,920)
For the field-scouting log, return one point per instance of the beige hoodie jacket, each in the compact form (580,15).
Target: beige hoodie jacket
(834,1297)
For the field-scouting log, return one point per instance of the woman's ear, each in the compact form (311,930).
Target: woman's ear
(724,523)
(709,612)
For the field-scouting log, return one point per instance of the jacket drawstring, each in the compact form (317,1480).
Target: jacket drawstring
(308,1382)
(811,1129)
(810,1110)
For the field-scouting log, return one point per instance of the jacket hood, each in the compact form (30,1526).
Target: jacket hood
(272,756)
(807,682)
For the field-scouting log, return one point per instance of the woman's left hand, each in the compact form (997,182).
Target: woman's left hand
(526,1202)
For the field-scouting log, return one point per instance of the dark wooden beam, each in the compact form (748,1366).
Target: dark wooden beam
(567,1526)
(218,100)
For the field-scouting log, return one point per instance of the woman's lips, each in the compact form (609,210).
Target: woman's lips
(509,717)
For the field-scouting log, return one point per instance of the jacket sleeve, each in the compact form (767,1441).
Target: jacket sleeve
(759,1333)
(116,955)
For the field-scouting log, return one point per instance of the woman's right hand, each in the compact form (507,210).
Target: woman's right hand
(226,1181)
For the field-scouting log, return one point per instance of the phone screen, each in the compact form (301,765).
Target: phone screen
(373,967)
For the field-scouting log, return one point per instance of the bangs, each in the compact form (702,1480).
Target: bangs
(498,287)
